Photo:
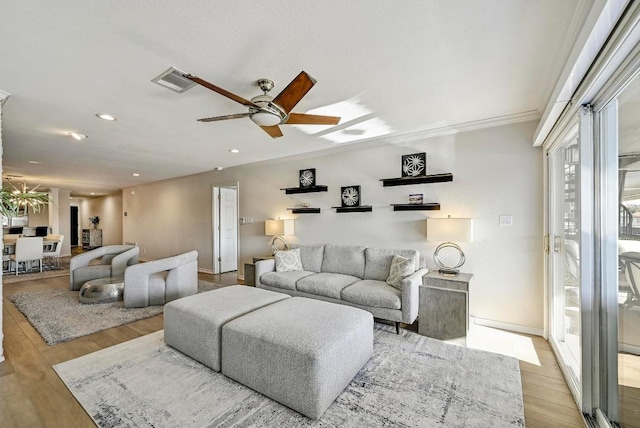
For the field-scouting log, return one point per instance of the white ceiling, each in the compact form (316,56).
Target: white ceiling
(416,65)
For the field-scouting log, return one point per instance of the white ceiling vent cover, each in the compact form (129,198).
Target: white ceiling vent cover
(172,79)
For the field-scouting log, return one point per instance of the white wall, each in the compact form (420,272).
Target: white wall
(496,171)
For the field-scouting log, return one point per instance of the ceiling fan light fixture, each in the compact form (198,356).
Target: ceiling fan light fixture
(263,118)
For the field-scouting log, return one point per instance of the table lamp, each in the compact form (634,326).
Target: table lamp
(448,230)
(279,229)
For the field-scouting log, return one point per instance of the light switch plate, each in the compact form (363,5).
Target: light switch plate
(506,220)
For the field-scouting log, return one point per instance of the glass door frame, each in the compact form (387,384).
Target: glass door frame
(582,125)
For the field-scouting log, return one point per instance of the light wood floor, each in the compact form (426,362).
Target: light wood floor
(32,395)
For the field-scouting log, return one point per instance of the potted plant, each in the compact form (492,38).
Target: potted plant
(95,220)
(15,203)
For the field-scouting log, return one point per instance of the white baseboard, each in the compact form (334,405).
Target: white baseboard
(630,349)
(241,277)
(203,270)
(507,326)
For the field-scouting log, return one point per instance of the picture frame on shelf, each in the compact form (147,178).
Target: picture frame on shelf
(414,165)
(307,177)
(416,198)
(350,196)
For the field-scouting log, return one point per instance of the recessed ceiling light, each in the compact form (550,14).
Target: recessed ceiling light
(35,162)
(104,116)
(234,151)
(219,168)
(77,136)
(135,174)
(93,193)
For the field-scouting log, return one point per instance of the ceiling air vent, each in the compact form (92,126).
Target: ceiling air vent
(172,79)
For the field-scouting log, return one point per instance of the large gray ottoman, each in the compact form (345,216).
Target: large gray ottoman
(299,352)
(193,324)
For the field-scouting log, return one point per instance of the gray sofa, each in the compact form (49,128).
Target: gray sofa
(114,259)
(160,281)
(349,275)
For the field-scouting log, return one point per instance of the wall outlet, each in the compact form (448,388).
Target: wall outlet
(506,220)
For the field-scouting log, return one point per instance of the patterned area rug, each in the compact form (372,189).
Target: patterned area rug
(59,316)
(411,381)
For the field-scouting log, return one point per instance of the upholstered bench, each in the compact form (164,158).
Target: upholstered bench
(193,324)
(300,352)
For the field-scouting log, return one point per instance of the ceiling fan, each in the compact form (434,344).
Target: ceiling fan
(268,112)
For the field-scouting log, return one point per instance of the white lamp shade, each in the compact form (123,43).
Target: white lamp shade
(262,118)
(279,228)
(450,229)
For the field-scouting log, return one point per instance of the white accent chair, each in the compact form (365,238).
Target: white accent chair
(27,250)
(160,281)
(114,260)
(52,252)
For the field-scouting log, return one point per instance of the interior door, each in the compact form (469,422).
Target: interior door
(228,230)
(74,226)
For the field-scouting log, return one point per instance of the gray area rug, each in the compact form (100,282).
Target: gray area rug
(59,316)
(411,381)
(8,278)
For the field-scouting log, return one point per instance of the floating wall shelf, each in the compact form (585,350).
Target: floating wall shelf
(360,209)
(307,210)
(310,189)
(405,181)
(415,207)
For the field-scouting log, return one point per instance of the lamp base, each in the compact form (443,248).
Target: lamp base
(449,272)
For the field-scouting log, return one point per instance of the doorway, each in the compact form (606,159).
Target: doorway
(225,228)
(74,226)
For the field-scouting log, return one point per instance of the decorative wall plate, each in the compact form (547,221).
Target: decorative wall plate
(307,177)
(350,196)
(414,165)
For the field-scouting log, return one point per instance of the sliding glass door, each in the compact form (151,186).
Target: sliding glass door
(564,250)
(619,123)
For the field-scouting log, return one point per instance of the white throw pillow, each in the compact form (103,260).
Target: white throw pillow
(288,261)
(400,268)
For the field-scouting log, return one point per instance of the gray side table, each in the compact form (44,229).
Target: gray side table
(444,306)
(250,270)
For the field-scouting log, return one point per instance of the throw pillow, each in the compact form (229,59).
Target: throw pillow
(288,261)
(400,268)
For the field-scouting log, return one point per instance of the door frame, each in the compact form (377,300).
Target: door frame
(215,223)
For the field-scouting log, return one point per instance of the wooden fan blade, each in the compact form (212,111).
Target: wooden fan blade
(311,119)
(223,92)
(274,131)
(293,93)
(229,116)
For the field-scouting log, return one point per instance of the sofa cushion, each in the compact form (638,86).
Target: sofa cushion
(344,259)
(374,293)
(157,288)
(400,269)
(311,256)
(285,280)
(86,273)
(325,284)
(288,261)
(378,262)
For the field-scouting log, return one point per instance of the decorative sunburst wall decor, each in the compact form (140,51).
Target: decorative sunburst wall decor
(350,196)
(307,177)
(414,165)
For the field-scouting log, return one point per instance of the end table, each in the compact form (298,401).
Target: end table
(444,306)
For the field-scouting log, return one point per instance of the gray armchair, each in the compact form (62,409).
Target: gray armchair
(115,259)
(160,281)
